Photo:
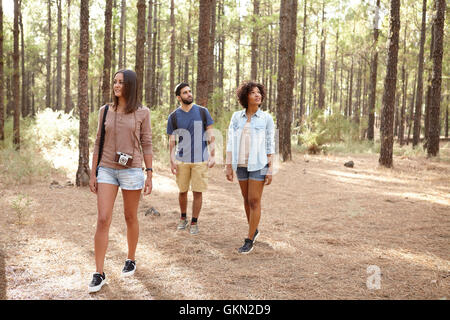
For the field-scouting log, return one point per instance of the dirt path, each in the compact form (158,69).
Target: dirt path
(327,232)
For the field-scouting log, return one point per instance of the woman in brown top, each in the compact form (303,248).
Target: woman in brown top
(127,130)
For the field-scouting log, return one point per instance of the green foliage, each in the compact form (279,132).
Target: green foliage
(160,140)
(319,130)
(26,165)
(20,206)
(53,129)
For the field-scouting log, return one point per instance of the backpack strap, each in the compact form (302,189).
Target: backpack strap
(102,138)
(173,119)
(203,115)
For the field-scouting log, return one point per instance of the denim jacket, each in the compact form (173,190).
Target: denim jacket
(262,138)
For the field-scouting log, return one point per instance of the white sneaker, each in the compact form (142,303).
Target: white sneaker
(98,280)
(129,268)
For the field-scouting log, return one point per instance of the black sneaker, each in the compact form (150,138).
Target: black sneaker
(255,236)
(129,268)
(98,280)
(247,247)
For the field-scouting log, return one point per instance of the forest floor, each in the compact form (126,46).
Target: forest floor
(326,232)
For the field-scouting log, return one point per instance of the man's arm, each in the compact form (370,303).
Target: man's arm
(212,148)
(173,165)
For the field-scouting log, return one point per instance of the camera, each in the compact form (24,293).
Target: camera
(123,159)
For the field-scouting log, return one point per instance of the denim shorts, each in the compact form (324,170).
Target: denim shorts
(243,174)
(126,179)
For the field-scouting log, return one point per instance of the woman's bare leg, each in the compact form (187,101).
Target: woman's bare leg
(106,195)
(255,190)
(131,204)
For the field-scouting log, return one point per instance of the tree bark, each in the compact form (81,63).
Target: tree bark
(322,62)
(401,131)
(428,94)
(106,77)
(153,96)
(83,172)
(25,108)
(59,105)
(212,42)
(172,56)
(387,112)
(373,77)
(16,86)
(68,98)
(140,49)
(203,51)
(148,61)
(254,41)
(48,83)
(419,91)
(286,67)
(435,95)
(238,52)
(303,72)
(122,34)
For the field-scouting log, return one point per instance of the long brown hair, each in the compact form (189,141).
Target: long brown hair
(129,91)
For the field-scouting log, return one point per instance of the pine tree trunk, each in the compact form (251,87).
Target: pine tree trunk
(48,83)
(153,96)
(148,61)
(221,61)
(106,78)
(9,98)
(373,77)
(238,52)
(188,47)
(428,94)
(303,72)
(401,131)
(68,98)
(203,53)
(335,68)
(212,39)
(159,63)
(322,62)
(350,92)
(411,110)
(172,56)
(435,95)
(387,112)
(83,172)
(254,41)
(122,34)
(446,118)
(16,85)
(419,91)
(113,49)
(59,105)
(140,49)
(357,110)
(286,67)
(25,109)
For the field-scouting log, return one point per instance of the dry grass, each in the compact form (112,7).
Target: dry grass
(322,226)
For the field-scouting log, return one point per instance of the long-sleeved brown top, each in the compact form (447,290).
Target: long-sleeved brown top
(133,131)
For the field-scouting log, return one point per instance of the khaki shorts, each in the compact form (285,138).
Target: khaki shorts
(193,174)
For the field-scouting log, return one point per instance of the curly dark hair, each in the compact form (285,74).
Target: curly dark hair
(245,88)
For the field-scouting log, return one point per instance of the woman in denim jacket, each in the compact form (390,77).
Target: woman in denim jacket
(250,147)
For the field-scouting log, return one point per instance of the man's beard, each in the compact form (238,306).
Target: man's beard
(187,101)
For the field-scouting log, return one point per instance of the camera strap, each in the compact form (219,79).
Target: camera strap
(115,131)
